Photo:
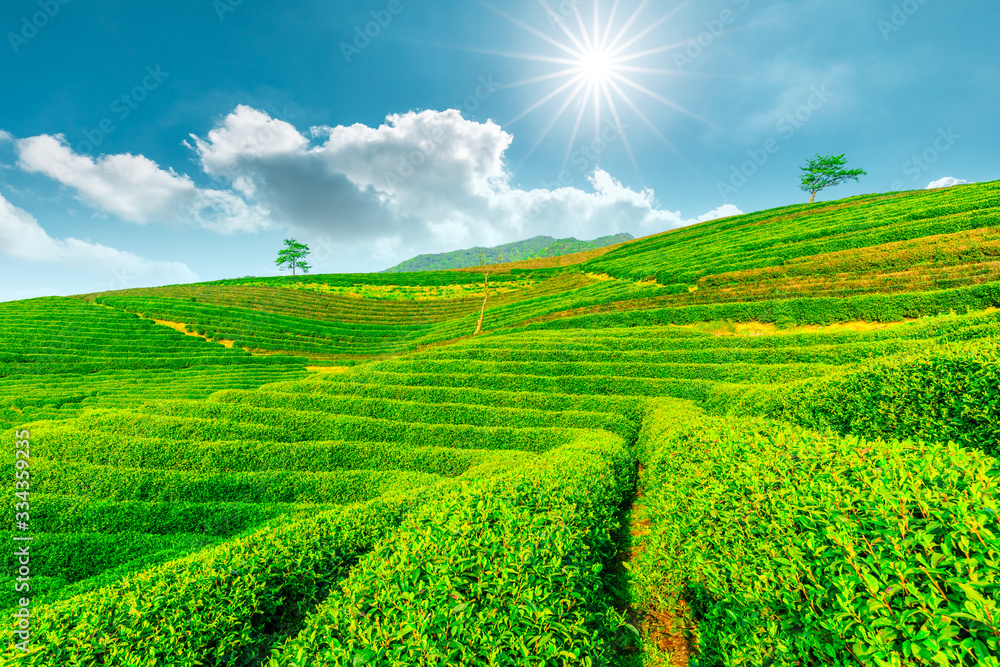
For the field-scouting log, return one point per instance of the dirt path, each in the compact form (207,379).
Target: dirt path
(325,370)
(663,628)
(178,326)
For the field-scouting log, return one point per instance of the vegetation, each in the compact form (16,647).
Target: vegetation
(790,545)
(825,171)
(293,256)
(538,247)
(793,464)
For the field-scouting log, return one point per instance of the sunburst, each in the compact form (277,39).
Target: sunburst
(595,70)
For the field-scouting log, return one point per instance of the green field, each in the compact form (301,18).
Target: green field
(763,440)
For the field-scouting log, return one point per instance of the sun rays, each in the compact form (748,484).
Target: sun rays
(595,63)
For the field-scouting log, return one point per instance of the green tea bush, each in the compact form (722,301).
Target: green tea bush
(219,421)
(664,371)
(948,393)
(74,556)
(46,590)
(73,514)
(868,308)
(433,413)
(66,442)
(798,548)
(687,352)
(621,405)
(571,385)
(222,606)
(502,572)
(263,486)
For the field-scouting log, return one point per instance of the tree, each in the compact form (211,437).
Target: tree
(824,171)
(293,256)
(498,260)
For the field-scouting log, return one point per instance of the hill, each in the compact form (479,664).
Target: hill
(769,439)
(538,247)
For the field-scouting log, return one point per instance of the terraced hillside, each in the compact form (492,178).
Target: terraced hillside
(647,459)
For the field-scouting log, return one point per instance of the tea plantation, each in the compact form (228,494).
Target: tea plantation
(763,440)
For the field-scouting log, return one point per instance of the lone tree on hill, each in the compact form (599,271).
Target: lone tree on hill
(293,256)
(824,171)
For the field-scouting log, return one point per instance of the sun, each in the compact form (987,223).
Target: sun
(596,63)
(597,66)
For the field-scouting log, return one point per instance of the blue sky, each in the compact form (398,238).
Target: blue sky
(155,143)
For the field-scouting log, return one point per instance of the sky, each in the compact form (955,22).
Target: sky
(145,144)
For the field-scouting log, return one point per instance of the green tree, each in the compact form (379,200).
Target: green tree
(293,256)
(824,171)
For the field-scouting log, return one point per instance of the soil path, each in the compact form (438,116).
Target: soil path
(665,628)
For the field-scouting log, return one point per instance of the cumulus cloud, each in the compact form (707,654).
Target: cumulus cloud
(5,136)
(946,182)
(136,189)
(21,237)
(420,181)
(724,211)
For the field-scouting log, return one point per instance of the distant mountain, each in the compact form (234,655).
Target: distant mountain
(534,248)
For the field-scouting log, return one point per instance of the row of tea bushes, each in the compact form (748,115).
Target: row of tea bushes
(796,311)
(72,478)
(223,605)
(64,441)
(218,421)
(549,401)
(432,413)
(795,548)
(661,371)
(74,514)
(945,393)
(507,571)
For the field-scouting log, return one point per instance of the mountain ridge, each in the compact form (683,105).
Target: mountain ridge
(537,247)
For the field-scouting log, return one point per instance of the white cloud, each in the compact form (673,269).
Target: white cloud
(421,182)
(724,211)
(946,182)
(5,136)
(246,132)
(21,237)
(364,196)
(136,189)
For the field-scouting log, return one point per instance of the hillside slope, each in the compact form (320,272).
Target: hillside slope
(769,439)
